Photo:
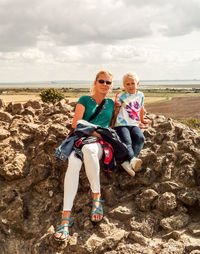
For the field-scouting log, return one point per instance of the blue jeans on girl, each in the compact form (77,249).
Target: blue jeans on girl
(133,137)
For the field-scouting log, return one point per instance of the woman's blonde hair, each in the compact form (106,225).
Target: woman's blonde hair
(92,90)
(130,75)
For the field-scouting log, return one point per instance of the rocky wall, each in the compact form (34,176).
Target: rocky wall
(157,211)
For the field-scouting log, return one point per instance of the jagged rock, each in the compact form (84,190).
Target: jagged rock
(144,200)
(175,222)
(145,225)
(195,252)
(2,103)
(17,108)
(172,247)
(166,202)
(168,186)
(173,235)
(29,111)
(188,197)
(4,134)
(32,104)
(161,203)
(5,116)
(194,229)
(13,168)
(121,213)
(138,238)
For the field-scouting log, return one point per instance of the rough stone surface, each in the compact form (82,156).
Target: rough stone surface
(157,211)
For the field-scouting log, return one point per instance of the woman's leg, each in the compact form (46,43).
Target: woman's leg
(138,139)
(124,133)
(70,189)
(92,153)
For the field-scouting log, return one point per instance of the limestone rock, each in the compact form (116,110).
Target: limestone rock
(144,200)
(157,211)
(175,222)
(166,202)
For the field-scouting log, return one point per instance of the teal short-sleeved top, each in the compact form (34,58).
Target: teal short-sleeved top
(104,117)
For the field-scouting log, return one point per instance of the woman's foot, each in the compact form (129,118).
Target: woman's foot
(97,209)
(62,232)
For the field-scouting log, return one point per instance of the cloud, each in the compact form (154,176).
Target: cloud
(23,23)
(180,18)
(50,37)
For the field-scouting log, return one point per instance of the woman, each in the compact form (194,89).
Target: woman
(92,153)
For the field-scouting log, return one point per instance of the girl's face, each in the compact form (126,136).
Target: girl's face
(103,84)
(130,85)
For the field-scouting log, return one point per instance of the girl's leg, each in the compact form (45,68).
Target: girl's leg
(138,139)
(92,153)
(125,135)
(70,189)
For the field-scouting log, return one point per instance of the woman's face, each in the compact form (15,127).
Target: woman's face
(103,84)
(130,85)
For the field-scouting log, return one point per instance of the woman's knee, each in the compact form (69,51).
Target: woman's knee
(89,149)
(74,163)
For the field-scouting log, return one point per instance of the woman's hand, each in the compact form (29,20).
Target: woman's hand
(94,133)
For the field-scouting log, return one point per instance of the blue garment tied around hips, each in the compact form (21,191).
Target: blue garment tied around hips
(83,128)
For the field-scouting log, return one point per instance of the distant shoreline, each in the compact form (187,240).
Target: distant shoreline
(82,84)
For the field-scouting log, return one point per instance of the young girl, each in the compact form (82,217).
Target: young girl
(128,115)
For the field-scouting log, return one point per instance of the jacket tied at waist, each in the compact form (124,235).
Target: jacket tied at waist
(84,130)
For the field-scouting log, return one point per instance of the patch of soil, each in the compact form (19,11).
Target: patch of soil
(179,107)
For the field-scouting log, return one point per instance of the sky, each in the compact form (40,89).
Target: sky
(42,40)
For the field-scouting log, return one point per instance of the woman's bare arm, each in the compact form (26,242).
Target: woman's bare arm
(114,116)
(78,115)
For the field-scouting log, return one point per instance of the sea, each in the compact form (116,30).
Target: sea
(145,84)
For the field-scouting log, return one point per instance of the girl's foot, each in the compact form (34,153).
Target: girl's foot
(127,166)
(136,164)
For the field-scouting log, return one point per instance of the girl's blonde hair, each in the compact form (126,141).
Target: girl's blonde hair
(131,75)
(92,90)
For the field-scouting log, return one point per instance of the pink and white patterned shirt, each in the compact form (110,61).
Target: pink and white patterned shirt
(130,106)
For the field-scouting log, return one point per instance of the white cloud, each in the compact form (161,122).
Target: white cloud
(63,39)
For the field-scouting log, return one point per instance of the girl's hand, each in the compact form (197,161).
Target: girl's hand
(146,121)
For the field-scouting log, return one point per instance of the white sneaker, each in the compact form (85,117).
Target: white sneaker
(136,164)
(126,165)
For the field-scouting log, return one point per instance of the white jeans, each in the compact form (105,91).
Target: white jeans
(92,153)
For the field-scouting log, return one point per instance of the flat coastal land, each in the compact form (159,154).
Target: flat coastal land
(174,103)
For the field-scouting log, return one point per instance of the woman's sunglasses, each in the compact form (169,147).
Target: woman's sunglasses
(101,81)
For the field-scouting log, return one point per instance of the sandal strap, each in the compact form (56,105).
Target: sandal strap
(99,209)
(70,221)
(64,231)
(98,200)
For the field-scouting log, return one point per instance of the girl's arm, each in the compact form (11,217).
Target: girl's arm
(114,116)
(142,118)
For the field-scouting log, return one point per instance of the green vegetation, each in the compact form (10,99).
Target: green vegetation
(193,123)
(51,95)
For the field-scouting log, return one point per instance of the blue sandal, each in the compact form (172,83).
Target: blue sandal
(98,210)
(61,229)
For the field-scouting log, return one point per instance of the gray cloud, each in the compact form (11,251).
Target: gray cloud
(23,23)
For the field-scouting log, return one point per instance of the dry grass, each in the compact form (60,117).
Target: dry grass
(25,97)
